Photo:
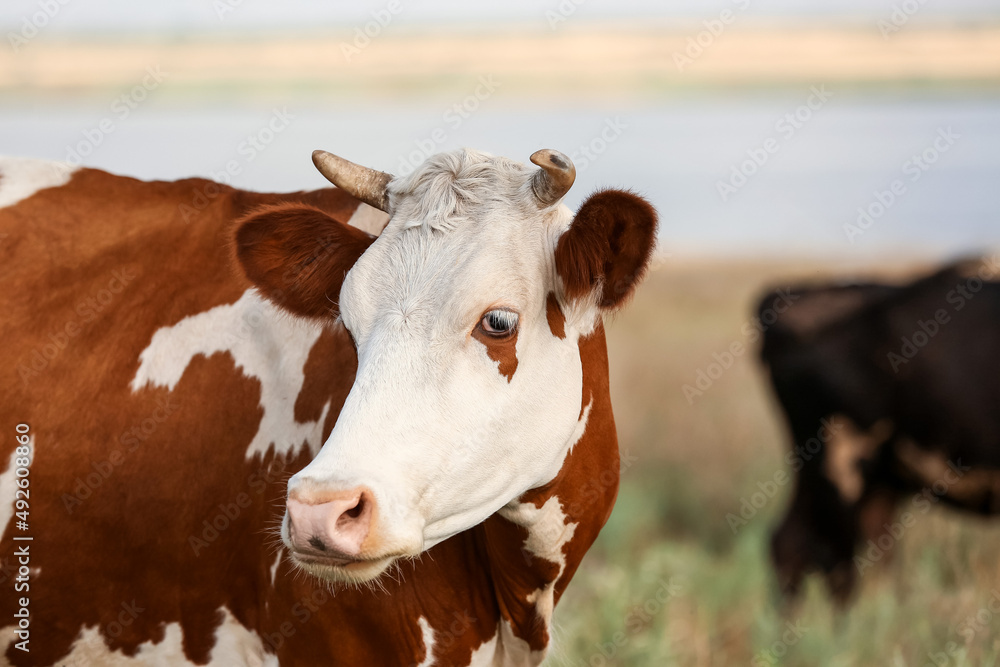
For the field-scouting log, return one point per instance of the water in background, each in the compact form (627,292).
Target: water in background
(793,186)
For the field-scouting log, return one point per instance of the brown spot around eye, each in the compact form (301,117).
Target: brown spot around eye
(501,350)
(554,314)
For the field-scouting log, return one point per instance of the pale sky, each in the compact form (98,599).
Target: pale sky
(180,16)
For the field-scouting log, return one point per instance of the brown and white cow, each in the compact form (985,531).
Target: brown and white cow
(193,370)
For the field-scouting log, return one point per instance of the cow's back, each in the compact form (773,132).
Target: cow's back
(922,355)
(164,410)
(888,390)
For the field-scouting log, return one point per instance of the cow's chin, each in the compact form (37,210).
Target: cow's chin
(353,572)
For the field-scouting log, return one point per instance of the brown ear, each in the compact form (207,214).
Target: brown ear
(298,256)
(608,244)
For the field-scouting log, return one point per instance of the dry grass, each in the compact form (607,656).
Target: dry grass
(669,575)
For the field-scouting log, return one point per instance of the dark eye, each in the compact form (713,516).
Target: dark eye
(499,322)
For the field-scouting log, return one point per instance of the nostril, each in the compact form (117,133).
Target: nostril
(337,525)
(350,517)
(356,511)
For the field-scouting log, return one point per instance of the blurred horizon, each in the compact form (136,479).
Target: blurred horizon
(756,128)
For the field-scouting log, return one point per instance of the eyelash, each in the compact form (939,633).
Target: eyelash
(499,322)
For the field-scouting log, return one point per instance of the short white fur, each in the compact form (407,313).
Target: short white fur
(435,431)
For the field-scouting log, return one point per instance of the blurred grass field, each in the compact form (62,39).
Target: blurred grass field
(669,582)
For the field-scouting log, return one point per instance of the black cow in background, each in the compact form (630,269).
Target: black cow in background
(892,396)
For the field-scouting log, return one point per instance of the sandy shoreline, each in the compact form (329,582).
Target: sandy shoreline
(576,60)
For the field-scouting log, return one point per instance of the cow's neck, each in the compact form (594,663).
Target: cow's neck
(531,548)
(536,543)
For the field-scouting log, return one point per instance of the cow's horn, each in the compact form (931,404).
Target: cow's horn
(368,185)
(555,177)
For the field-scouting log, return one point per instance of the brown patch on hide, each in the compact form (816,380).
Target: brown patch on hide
(555,317)
(180,522)
(501,350)
(608,246)
(298,256)
(977,489)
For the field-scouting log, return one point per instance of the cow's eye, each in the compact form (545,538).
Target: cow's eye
(499,323)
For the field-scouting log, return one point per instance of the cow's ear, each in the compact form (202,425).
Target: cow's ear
(298,256)
(607,248)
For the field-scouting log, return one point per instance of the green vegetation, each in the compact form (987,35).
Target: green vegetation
(669,582)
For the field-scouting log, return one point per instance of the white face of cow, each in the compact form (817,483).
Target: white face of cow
(464,398)
(469,383)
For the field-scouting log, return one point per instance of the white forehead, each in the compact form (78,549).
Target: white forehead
(451,189)
(466,233)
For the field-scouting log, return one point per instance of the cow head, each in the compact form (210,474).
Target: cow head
(466,313)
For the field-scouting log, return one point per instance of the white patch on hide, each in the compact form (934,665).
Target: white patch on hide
(486,655)
(235,646)
(266,343)
(22,177)
(512,650)
(277,562)
(581,426)
(547,529)
(428,634)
